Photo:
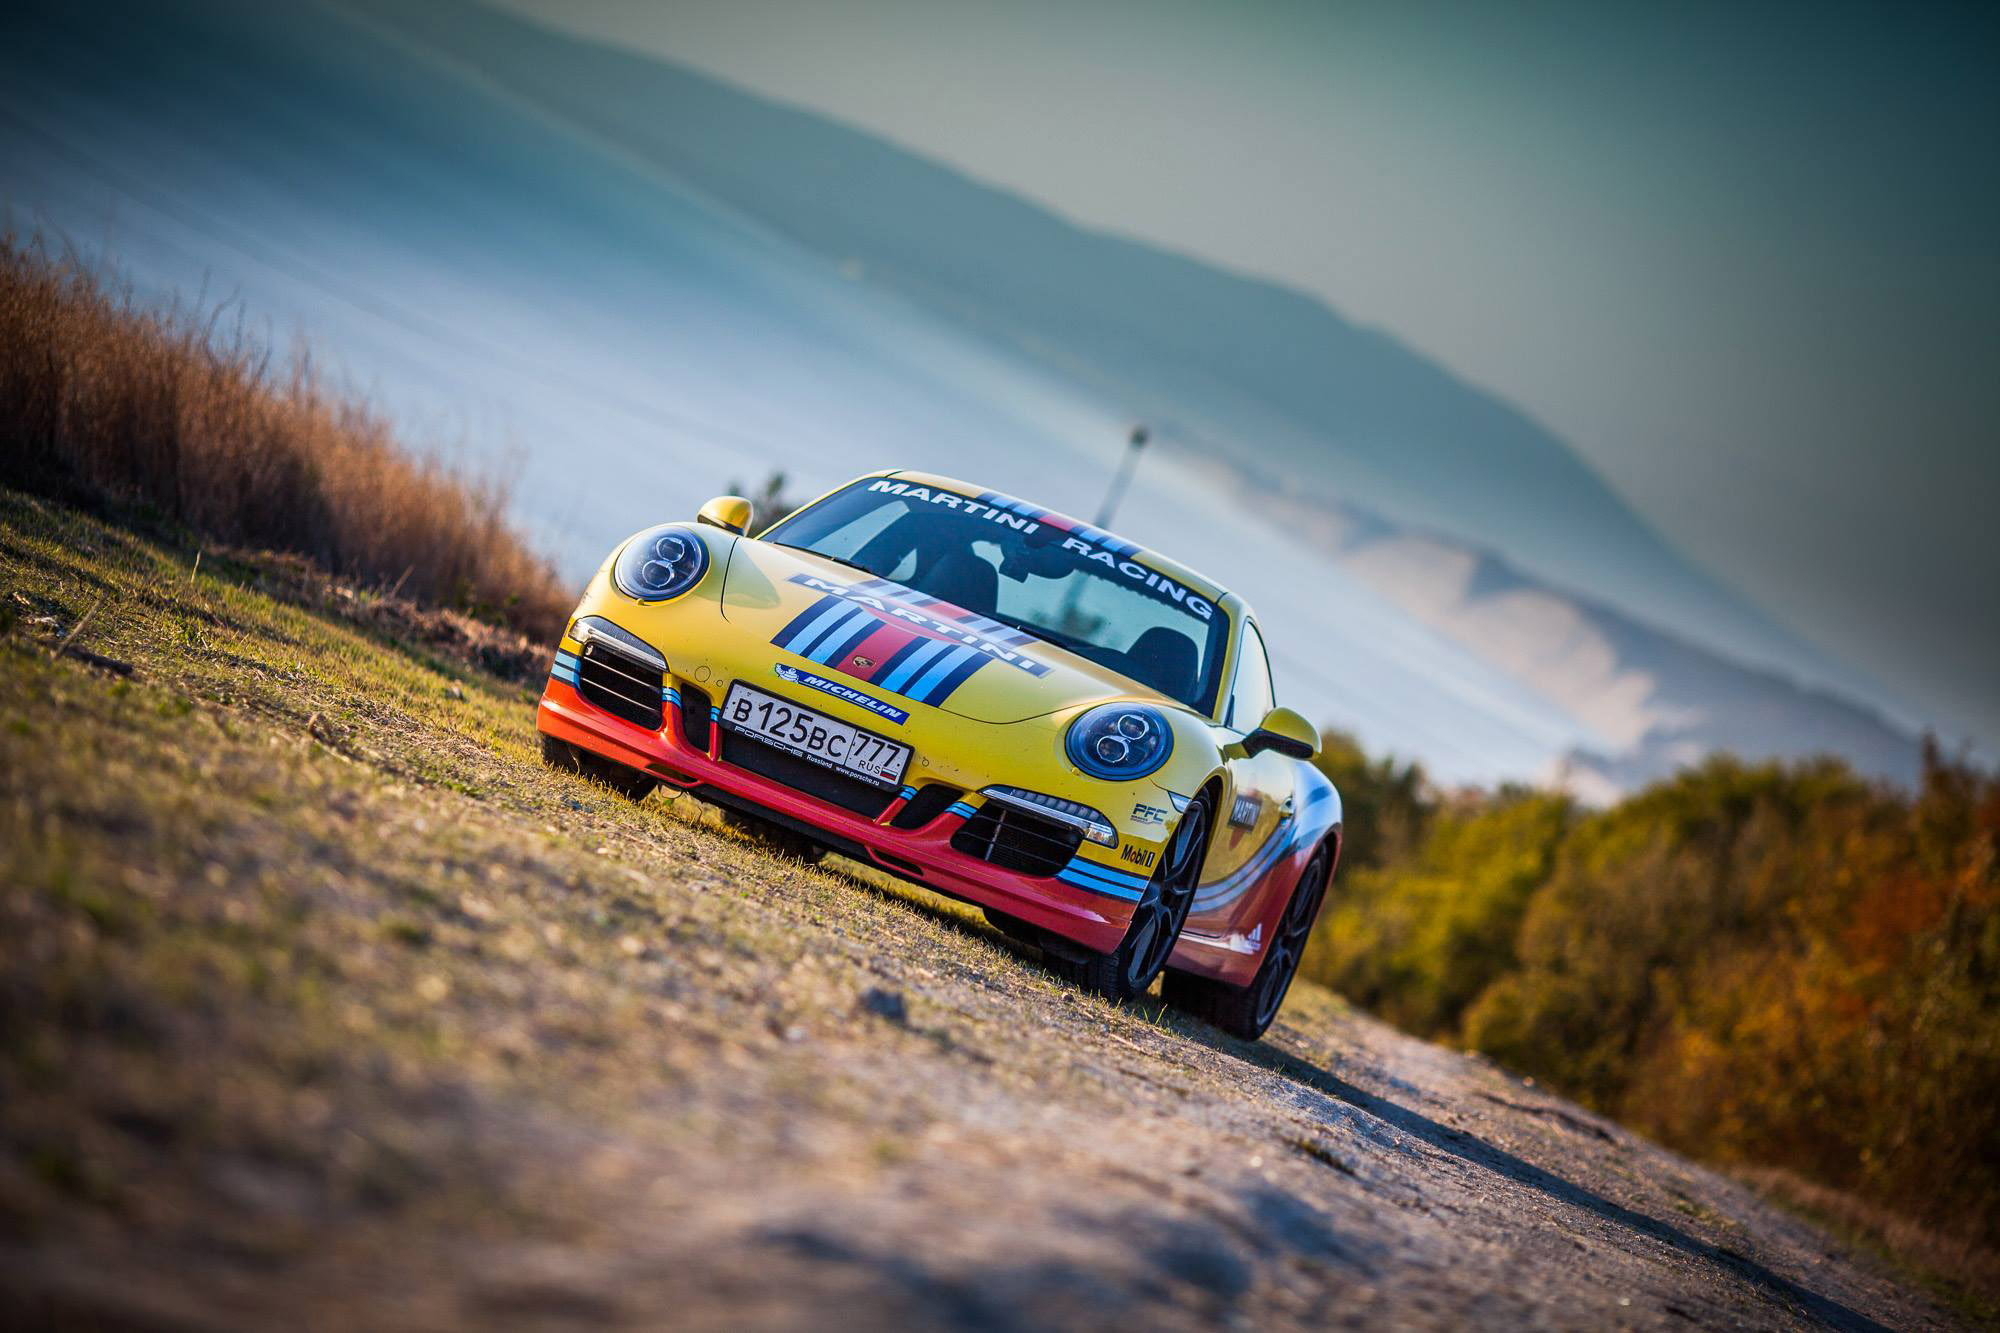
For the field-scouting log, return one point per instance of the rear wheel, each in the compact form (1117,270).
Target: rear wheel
(1149,940)
(1246,1011)
(627,782)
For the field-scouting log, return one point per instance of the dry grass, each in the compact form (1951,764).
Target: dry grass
(100,399)
(1965,1271)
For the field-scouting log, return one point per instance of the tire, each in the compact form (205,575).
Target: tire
(1128,970)
(1246,1011)
(1013,927)
(627,782)
(776,838)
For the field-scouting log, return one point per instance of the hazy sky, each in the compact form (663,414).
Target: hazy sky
(1748,262)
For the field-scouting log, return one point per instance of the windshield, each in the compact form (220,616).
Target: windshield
(1075,587)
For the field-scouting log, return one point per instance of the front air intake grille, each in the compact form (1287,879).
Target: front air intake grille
(1016,840)
(803,775)
(932,799)
(695,704)
(620,684)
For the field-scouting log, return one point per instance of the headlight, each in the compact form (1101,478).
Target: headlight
(1119,742)
(660,563)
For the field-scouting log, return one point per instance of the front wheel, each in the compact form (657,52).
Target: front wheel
(1149,940)
(1246,1011)
(627,782)
(775,838)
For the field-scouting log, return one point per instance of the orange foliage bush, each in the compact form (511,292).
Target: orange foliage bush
(1784,966)
(100,399)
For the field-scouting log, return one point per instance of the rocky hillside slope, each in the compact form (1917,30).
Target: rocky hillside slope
(319,995)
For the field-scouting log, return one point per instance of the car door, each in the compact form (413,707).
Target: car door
(1257,806)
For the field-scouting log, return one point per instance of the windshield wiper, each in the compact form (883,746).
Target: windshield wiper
(838,560)
(1043,632)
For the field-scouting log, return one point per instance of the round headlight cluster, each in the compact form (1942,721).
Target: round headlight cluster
(661,563)
(1119,742)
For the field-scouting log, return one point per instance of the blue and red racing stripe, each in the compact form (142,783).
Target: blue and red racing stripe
(906,660)
(985,626)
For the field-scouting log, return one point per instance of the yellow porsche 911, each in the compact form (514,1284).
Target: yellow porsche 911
(985,698)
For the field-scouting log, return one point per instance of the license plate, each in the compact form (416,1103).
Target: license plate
(815,736)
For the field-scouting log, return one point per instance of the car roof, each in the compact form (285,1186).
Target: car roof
(1193,579)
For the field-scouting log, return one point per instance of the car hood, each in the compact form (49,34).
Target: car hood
(903,646)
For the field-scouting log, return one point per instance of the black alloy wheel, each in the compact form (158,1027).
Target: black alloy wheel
(775,838)
(1281,962)
(1246,1011)
(627,782)
(1156,923)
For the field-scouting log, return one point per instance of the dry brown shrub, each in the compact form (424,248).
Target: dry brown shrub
(1960,1260)
(101,398)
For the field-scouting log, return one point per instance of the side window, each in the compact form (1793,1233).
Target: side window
(1251,698)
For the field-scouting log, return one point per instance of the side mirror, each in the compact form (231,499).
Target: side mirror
(1286,732)
(731,513)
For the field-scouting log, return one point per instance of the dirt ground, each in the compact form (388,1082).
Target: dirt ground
(324,1004)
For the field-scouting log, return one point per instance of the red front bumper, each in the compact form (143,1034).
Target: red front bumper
(924,855)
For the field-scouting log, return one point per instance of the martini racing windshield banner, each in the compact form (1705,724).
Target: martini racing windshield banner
(1115,554)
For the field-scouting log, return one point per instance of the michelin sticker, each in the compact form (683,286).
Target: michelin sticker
(794,676)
